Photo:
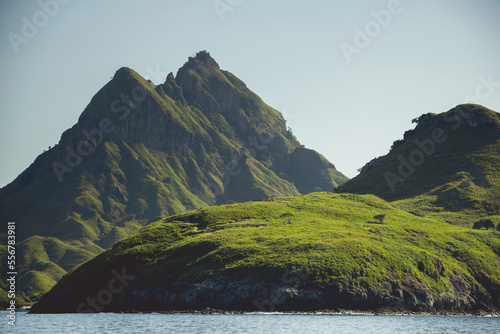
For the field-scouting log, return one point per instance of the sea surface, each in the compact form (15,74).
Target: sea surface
(272,323)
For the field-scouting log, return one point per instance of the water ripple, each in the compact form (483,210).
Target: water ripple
(110,323)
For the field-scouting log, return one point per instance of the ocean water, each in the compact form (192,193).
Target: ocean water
(271,323)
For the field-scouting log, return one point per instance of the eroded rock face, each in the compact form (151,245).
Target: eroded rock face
(233,294)
(264,296)
(467,115)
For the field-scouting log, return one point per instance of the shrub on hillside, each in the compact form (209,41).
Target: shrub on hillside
(486,223)
(380,218)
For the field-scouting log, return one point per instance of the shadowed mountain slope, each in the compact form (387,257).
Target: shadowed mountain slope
(141,152)
(450,160)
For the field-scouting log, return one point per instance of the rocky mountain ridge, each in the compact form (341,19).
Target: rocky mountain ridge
(141,152)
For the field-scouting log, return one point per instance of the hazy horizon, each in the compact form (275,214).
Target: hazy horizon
(348,77)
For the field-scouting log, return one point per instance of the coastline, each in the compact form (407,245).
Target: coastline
(383,312)
(378,312)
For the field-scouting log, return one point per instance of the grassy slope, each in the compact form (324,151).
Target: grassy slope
(328,235)
(42,261)
(177,163)
(125,185)
(463,172)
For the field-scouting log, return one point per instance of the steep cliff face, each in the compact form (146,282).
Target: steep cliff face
(141,152)
(275,295)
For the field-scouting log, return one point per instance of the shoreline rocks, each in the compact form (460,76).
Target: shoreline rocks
(228,294)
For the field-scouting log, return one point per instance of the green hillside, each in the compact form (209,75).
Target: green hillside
(42,261)
(449,161)
(140,153)
(322,251)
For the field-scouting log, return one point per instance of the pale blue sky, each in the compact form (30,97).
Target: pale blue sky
(428,57)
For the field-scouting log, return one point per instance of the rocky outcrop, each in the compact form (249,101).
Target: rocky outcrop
(369,165)
(292,292)
(225,294)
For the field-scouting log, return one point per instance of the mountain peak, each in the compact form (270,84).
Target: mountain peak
(475,115)
(449,158)
(125,79)
(140,153)
(124,72)
(204,56)
(201,58)
(469,115)
(170,78)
